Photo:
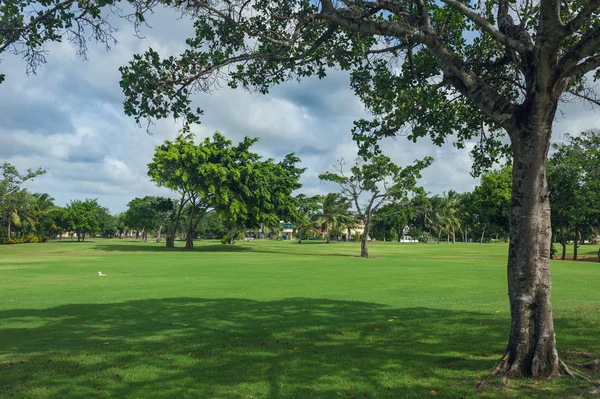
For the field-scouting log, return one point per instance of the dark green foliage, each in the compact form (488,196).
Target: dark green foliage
(82,217)
(239,185)
(574,180)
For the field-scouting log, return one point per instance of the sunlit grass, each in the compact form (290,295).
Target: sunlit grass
(272,319)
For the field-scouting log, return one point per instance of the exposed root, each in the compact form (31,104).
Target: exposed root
(564,369)
(497,371)
(513,371)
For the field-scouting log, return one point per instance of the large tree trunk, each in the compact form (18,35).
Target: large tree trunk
(364,251)
(531,348)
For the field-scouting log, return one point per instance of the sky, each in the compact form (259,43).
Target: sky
(69,120)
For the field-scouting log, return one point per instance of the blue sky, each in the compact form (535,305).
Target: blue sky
(68,119)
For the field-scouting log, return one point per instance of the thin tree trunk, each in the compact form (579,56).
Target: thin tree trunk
(364,250)
(9,226)
(563,243)
(299,236)
(328,236)
(531,349)
(576,241)
(158,233)
(482,234)
(189,239)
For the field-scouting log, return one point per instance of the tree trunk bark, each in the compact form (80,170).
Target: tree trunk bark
(564,244)
(232,233)
(482,235)
(364,250)
(158,233)
(9,226)
(328,236)
(189,238)
(531,348)
(576,241)
(299,236)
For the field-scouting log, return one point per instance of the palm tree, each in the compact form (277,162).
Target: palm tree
(335,206)
(449,217)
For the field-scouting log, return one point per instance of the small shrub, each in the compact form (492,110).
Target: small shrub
(226,239)
(553,251)
(31,239)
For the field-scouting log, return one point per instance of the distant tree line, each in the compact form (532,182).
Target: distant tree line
(225,191)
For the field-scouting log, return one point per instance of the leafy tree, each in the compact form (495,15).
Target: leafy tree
(449,214)
(307,214)
(11,194)
(574,180)
(507,79)
(334,209)
(231,180)
(492,200)
(371,184)
(54,222)
(392,217)
(211,227)
(148,213)
(83,217)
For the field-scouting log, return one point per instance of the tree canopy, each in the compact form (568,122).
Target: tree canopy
(371,184)
(229,179)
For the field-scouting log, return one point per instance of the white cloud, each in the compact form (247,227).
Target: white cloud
(68,118)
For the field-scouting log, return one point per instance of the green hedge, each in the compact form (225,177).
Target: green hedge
(19,240)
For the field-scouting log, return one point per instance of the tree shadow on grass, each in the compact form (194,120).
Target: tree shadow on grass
(151,247)
(203,247)
(232,348)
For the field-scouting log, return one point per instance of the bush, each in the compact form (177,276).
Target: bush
(225,239)
(31,239)
(17,240)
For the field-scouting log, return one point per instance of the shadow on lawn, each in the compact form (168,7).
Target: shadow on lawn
(226,348)
(239,247)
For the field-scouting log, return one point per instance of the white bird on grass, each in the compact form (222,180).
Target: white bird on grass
(101,275)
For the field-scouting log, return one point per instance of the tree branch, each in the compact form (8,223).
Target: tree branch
(586,97)
(489,28)
(509,28)
(582,18)
(588,46)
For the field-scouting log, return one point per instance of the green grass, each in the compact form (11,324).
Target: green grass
(274,320)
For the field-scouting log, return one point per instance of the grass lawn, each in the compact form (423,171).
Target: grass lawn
(275,320)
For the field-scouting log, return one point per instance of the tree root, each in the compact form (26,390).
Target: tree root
(497,371)
(512,371)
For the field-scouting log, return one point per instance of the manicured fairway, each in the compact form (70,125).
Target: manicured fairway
(271,319)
